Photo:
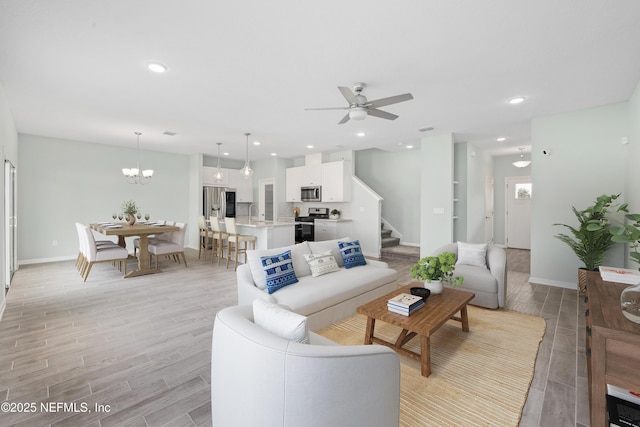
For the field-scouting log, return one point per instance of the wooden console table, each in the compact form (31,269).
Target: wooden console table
(612,346)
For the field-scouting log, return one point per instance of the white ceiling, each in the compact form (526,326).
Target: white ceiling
(76,69)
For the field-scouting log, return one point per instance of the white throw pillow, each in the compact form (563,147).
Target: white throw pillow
(322,263)
(332,245)
(281,322)
(472,254)
(300,265)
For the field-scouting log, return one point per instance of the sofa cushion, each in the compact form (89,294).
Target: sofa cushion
(322,263)
(472,254)
(352,254)
(278,271)
(313,294)
(300,265)
(280,321)
(329,245)
(477,279)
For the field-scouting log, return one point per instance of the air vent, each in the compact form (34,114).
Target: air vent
(169,133)
(427,129)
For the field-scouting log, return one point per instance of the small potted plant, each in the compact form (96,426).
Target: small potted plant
(334,214)
(437,269)
(129,209)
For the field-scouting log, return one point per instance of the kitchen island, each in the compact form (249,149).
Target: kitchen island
(269,234)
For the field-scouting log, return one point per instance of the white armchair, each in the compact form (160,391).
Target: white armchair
(489,284)
(260,379)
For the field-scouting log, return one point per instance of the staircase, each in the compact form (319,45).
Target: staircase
(391,248)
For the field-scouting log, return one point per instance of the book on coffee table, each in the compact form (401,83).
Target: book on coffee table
(405,304)
(620,275)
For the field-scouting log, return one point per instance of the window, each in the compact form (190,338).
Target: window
(523,191)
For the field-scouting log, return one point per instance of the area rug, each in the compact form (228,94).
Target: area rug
(479,378)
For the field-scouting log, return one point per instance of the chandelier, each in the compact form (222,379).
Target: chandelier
(133,174)
(522,163)
(246,171)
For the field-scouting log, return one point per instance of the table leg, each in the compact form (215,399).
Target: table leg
(464,319)
(143,260)
(425,355)
(368,336)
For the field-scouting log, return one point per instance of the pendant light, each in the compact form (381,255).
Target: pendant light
(522,163)
(133,174)
(246,171)
(218,176)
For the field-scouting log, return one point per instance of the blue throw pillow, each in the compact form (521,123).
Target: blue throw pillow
(279,271)
(352,254)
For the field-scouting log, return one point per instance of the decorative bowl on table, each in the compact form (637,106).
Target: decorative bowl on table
(421,292)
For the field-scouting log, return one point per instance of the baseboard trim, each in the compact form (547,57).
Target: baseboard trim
(556,283)
(44,260)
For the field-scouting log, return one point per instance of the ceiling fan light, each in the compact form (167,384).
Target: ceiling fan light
(357,113)
(522,163)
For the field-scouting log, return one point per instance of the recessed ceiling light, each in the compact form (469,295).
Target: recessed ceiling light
(516,100)
(274,154)
(256,142)
(361,134)
(309,146)
(156,67)
(409,147)
(502,138)
(225,154)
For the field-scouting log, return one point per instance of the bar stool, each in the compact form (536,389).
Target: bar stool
(236,239)
(219,237)
(206,237)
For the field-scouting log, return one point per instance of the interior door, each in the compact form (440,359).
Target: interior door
(488,210)
(518,194)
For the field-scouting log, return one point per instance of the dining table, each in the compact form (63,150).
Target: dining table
(141,230)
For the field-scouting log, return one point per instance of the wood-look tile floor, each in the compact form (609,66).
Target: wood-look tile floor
(137,351)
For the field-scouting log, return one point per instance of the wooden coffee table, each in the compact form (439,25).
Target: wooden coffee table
(423,322)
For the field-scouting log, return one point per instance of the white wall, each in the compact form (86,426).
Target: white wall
(395,177)
(9,147)
(586,161)
(632,177)
(436,192)
(61,182)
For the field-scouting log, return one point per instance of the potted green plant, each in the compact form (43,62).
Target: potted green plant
(437,269)
(130,209)
(591,239)
(334,214)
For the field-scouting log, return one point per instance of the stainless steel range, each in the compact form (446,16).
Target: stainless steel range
(304,224)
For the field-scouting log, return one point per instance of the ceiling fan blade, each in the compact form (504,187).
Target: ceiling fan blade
(345,119)
(348,95)
(327,108)
(390,100)
(382,114)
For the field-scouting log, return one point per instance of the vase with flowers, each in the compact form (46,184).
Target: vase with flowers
(129,209)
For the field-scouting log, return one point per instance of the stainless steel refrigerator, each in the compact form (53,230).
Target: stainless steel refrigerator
(219,202)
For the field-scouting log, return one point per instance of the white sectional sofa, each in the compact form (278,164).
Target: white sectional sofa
(325,299)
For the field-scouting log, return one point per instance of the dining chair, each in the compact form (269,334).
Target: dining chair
(174,246)
(219,237)
(206,237)
(105,253)
(81,260)
(166,236)
(235,239)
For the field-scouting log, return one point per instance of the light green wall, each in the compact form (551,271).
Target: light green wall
(586,161)
(460,192)
(61,182)
(395,176)
(9,147)
(436,192)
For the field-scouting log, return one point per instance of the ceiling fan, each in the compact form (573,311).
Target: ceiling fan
(359,107)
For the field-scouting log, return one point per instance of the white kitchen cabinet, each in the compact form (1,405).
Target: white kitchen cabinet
(209,179)
(293,184)
(311,175)
(244,187)
(327,229)
(336,182)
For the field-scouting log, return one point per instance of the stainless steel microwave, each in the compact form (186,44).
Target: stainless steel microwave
(311,194)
